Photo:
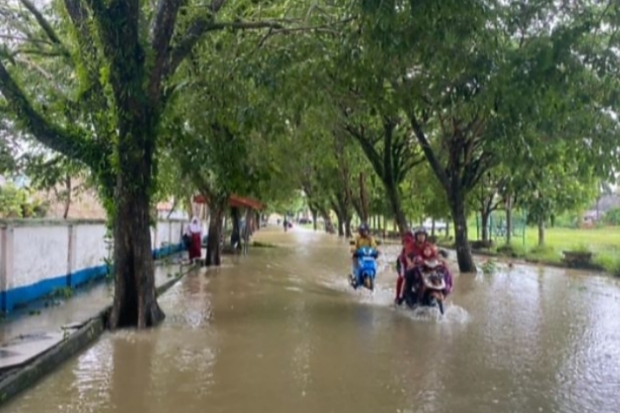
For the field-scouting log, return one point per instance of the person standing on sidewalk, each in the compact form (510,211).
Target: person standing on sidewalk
(194,230)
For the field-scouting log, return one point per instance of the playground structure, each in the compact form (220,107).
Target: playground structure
(497,228)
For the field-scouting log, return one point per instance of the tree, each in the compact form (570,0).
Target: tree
(488,196)
(360,92)
(392,155)
(121,57)
(469,75)
(48,173)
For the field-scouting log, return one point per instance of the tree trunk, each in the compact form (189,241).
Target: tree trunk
(215,231)
(394,199)
(463,252)
(384,227)
(135,303)
(432,227)
(69,189)
(175,200)
(190,207)
(541,232)
(236,224)
(347,227)
(327,221)
(363,199)
(340,224)
(314,223)
(357,206)
(485,216)
(249,226)
(508,219)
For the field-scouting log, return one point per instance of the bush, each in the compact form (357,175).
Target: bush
(545,254)
(580,248)
(611,263)
(18,203)
(12,201)
(511,250)
(568,220)
(612,217)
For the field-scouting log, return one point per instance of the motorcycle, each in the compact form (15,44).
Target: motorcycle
(366,271)
(432,275)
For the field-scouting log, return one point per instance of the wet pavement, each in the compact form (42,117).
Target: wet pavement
(280,331)
(54,313)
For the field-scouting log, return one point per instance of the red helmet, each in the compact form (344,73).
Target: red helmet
(408,236)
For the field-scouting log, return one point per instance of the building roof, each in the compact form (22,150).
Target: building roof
(236,201)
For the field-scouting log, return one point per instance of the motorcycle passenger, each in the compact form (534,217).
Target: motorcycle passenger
(408,241)
(363,239)
(421,250)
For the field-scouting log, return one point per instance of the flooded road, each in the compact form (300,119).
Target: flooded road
(279,331)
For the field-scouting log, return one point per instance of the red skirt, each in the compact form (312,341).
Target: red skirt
(195,247)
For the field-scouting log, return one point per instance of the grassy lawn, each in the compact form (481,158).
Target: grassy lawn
(562,239)
(603,242)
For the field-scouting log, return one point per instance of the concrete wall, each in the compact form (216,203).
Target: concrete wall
(39,256)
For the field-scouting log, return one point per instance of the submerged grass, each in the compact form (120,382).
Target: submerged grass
(259,244)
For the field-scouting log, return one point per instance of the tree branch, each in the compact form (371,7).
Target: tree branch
(79,16)
(428,151)
(47,28)
(474,170)
(411,163)
(163,28)
(71,144)
(368,148)
(216,5)
(203,25)
(100,13)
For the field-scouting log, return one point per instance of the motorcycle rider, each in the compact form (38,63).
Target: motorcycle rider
(414,255)
(363,239)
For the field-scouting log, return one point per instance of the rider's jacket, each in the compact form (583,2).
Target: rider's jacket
(425,250)
(361,242)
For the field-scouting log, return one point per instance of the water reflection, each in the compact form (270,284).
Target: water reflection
(281,331)
(136,353)
(93,376)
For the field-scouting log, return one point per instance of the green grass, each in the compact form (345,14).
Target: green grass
(604,243)
(563,239)
(611,263)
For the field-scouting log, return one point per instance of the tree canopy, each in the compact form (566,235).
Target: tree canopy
(405,109)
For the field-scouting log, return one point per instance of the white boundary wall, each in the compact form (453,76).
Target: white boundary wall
(38,256)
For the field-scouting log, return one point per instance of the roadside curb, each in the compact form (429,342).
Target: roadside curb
(87,333)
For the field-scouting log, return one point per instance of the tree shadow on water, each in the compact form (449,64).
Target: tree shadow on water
(132,372)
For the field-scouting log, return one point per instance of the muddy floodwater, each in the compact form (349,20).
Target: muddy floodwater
(280,331)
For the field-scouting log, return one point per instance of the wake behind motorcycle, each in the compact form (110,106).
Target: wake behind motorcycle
(428,290)
(366,271)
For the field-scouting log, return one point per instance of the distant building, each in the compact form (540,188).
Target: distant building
(600,208)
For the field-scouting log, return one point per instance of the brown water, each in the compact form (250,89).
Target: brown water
(279,331)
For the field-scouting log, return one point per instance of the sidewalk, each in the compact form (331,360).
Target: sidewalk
(36,340)
(84,304)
